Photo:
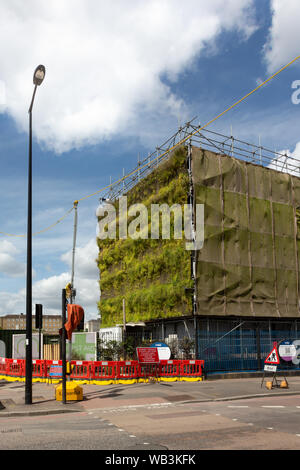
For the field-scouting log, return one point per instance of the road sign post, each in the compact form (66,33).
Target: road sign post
(271,363)
(149,357)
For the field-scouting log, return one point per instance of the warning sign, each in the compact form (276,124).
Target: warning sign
(147,355)
(273,357)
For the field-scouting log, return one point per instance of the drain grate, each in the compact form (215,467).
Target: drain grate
(179,398)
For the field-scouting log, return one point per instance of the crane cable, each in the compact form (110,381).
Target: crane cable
(161,155)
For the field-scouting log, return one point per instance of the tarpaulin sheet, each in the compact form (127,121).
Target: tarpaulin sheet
(249,263)
(75,315)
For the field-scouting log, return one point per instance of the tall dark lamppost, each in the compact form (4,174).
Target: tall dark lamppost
(38,77)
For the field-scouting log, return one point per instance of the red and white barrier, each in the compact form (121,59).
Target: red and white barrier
(106,372)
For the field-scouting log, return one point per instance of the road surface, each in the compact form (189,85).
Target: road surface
(265,423)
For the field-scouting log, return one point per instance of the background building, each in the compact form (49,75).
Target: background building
(92,326)
(51,323)
(240,292)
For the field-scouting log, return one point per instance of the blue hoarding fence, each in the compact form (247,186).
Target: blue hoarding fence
(242,345)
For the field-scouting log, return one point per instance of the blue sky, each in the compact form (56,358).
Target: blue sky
(117,84)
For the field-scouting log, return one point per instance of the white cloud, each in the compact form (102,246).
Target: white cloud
(9,265)
(8,247)
(284,35)
(104,61)
(48,291)
(287,161)
(12,303)
(85,260)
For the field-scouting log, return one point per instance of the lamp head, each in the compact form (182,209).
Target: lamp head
(39,75)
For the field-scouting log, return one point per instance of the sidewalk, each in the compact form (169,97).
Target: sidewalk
(12,394)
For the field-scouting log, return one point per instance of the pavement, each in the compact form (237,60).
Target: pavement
(104,397)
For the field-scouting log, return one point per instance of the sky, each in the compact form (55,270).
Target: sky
(119,81)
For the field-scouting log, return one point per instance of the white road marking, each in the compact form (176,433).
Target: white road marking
(238,406)
(273,406)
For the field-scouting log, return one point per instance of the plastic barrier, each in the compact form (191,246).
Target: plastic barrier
(170,370)
(127,371)
(149,371)
(15,368)
(81,370)
(38,369)
(106,372)
(191,370)
(3,366)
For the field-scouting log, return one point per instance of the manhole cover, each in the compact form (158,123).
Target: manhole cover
(179,398)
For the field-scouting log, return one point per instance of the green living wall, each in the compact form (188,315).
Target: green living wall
(151,275)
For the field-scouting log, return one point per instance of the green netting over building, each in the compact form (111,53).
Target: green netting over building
(249,263)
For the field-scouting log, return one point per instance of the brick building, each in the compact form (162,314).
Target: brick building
(51,323)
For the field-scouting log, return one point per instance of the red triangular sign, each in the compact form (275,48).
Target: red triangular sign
(273,357)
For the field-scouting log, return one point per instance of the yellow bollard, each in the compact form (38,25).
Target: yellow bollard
(73,392)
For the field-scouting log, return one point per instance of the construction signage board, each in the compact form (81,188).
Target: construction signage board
(147,355)
(55,370)
(273,357)
(84,346)
(19,342)
(287,350)
(164,352)
(269,368)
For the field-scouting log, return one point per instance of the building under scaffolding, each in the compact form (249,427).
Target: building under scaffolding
(240,292)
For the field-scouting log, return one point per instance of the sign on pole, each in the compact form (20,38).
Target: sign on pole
(287,350)
(164,352)
(271,363)
(147,355)
(273,357)
(270,368)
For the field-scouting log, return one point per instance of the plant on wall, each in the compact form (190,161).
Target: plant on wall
(150,274)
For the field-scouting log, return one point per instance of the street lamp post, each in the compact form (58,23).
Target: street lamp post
(38,77)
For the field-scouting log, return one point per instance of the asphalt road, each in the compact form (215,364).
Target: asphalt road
(266,423)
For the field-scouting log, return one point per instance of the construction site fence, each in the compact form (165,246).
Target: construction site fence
(104,372)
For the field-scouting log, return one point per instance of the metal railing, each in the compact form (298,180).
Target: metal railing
(209,140)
